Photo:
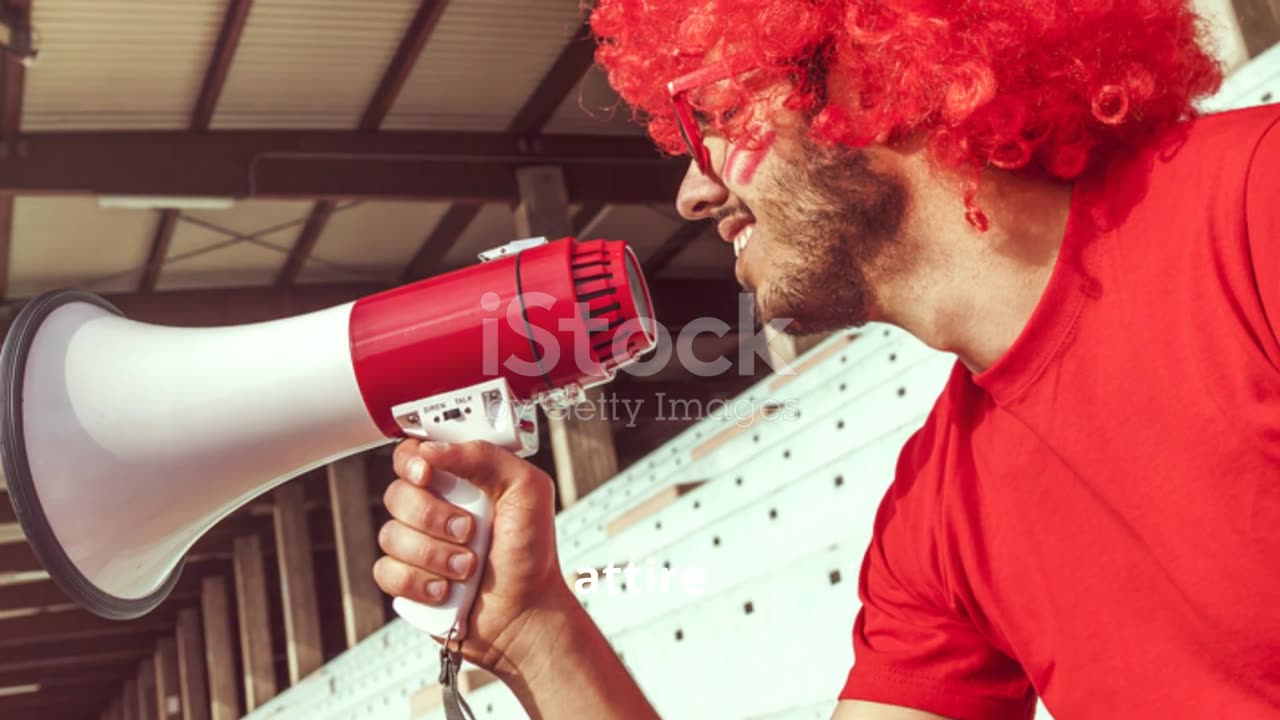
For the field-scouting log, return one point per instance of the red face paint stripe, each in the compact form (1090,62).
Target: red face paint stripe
(741,163)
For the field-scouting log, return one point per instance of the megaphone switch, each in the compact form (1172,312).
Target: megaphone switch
(124,442)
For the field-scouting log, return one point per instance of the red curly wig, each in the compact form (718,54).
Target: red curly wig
(1042,86)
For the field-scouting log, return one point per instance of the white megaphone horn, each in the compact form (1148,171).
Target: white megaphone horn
(124,442)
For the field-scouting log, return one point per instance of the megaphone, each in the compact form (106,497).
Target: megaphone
(124,442)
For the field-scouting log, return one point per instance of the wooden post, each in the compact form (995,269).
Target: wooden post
(362,608)
(1259,23)
(584,452)
(146,698)
(255,625)
(129,699)
(192,679)
(219,658)
(168,697)
(303,648)
(583,448)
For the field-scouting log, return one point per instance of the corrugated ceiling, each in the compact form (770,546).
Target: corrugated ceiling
(118,64)
(61,242)
(311,63)
(371,241)
(483,62)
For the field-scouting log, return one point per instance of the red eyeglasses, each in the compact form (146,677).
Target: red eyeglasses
(686,120)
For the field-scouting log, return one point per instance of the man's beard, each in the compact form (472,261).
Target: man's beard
(844,218)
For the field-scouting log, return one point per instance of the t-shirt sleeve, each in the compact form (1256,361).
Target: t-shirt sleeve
(910,650)
(1262,218)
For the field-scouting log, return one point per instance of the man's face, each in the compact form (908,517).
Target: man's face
(814,228)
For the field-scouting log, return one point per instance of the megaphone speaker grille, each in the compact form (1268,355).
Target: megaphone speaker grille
(22,485)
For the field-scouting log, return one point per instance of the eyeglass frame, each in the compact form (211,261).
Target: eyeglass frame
(686,123)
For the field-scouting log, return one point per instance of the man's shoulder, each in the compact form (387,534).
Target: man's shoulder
(1233,128)
(928,483)
(953,415)
(1210,149)
(1192,174)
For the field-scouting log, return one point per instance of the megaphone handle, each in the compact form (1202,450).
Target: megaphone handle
(453,613)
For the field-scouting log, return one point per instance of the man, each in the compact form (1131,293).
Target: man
(1091,514)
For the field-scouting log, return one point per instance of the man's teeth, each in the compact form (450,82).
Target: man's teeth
(743,237)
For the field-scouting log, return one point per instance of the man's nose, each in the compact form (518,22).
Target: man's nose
(700,195)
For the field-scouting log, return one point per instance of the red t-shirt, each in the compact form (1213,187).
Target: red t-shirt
(1096,518)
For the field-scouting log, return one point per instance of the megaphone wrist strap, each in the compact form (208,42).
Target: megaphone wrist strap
(455,707)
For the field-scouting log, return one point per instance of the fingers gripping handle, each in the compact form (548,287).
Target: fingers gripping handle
(453,612)
(486,411)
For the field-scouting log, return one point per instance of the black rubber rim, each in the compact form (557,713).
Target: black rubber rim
(17,470)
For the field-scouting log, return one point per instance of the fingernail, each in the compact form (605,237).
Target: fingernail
(460,563)
(435,588)
(430,444)
(416,468)
(458,526)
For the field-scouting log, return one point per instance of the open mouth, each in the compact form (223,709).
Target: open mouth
(740,243)
(741,240)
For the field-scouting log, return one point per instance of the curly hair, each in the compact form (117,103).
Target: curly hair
(1038,86)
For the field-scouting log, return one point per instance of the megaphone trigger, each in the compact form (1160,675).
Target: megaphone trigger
(486,411)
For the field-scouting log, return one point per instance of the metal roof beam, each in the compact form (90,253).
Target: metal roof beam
(57,704)
(224,52)
(215,78)
(13,76)
(68,654)
(588,216)
(306,242)
(677,302)
(401,66)
(46,593)
(72,624)
(384,97)
(166,223)
(450,166)
(565,73)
